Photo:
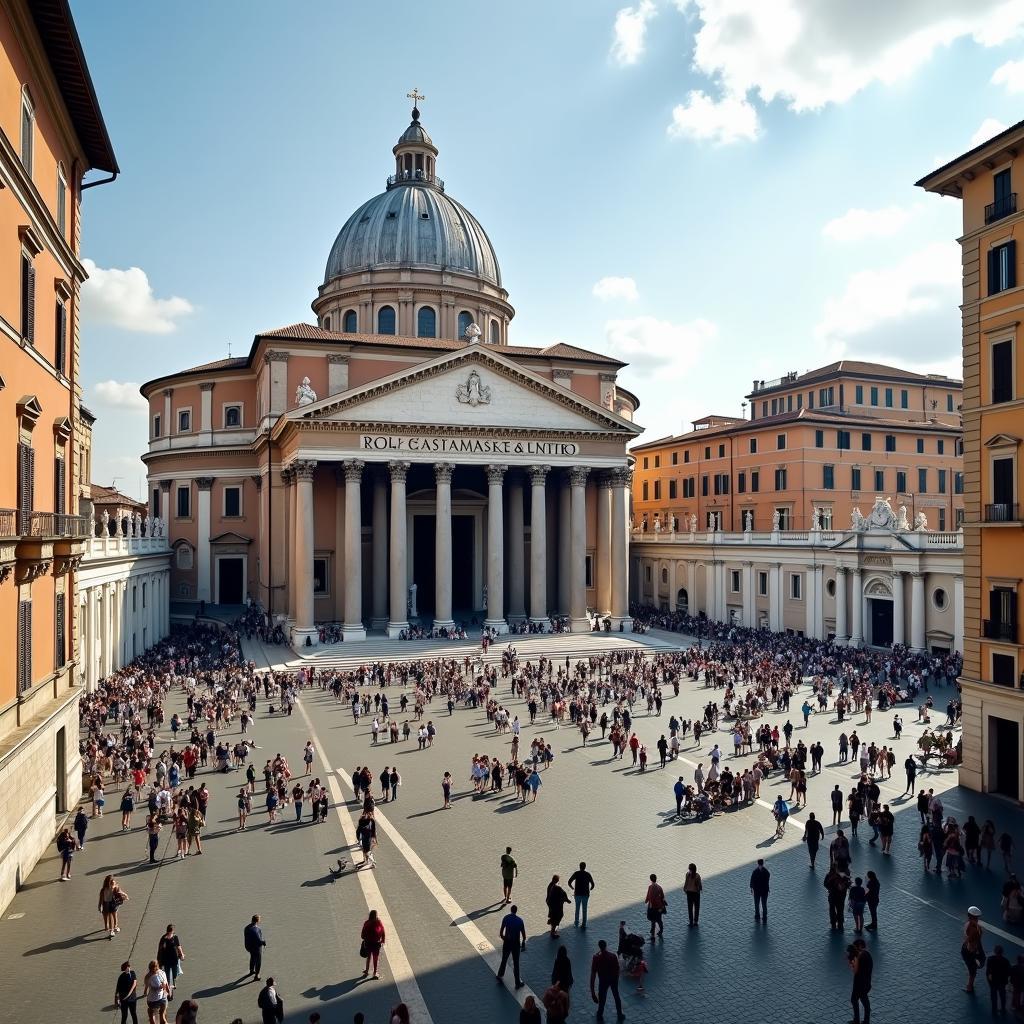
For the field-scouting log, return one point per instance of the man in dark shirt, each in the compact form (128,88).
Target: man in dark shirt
(126,992)
(862,966)
(604,969)
(759,879)
(252,937)
(513,942)
(813,835)
(582,884)
(997,973)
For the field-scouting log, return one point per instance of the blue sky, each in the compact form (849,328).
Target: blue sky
(741,170)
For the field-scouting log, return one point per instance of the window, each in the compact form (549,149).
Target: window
(828,480)
(890,442)
(657,461)
(755,481)
(60,337)
(496,339)
(675,458)
(922,481)
(1003,200)
(904,399)
(232,502)
(686,455)
(184,421)
(24,646)
(1004,669)
(465,319)
(721,483)
(62,201)
(819,439)
(156,425)
(184,501)
(327,323)
(940,446)
(879,481)
(60,478)
(762,584)
(810,399)
(958,483)
(958,447)
(942,519)
(721,451)
(753,446)
(942,481)
(874,396)
(888,398)
(232,416)
(1002,372)
(1002,268)
(28,299)
(154,503)
(799,402)
(865,442)
(707,451)
(855,479)
(843,440)
(741,482)
(645,462)
(775,406)
(645,492)
(920,446)
(858,394)
(426,322)
(386,320)
(672,489)
(704,485)
(735,574)
(949,403)
(28,126)
(780,479)
(657,490)
(647,573)
(350,322)
(901,481)
(321,576)
(26,486)
(795,585)
(780,442)
(826,517)
(60,644)
(689,487)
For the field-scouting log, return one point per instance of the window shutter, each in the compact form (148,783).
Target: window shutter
(30,308)
(60,641)
(993,272)
(60,342)
(59,484)
(1011,259)
(26,486)
(24,646)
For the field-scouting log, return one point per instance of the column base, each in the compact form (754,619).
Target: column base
(499,626)
(580,625)
(840,641)
(517,617)
(300,636)
(625,621)
(444,623)
(379,622)
(352,631)
(544,622)
(395,628)
(855,641)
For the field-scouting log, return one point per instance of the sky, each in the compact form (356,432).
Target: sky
(715,191)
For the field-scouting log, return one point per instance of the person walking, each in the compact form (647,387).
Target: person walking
(110,899)
(509,873)
(971,951)
(862,965)
(81,826)
(837,805)
(582,884)
(556,898)
(604,969)
(656,906)
(910,766)
(169,955)
(997,974)
(366,833)
(813,836)
(874,888)
(270,1003)
(372,939)
(252,939)
(66,846)
(836,884)
(446,789)
(153,827)
(157,993)
(693,886)
(679,790)
(126,993)
(759,885)
(513,942)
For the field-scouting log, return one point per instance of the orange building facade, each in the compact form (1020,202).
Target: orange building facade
(985,179)
(824,442)
(51,134)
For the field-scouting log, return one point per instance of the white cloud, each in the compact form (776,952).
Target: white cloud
(120,394)
(630,32)
(857,224)
(986,130)
(700,117)
(1010,76)
(905,314)
(652,346)
(124,298)
(609,288)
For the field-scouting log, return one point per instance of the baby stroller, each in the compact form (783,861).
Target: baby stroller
(631,948)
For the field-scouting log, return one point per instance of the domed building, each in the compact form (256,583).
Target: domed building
(399,462)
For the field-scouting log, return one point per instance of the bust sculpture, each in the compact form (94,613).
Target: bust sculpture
(304,394)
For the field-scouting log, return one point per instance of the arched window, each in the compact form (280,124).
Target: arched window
(351,322)
(327,323)
(495,333)
(386,320)
(465,319)
(426,322)
(28,128)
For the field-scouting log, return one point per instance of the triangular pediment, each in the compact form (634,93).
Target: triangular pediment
(474,387)
(230,537)
(1002,441)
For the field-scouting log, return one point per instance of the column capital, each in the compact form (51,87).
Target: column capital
(538,475)
(287,477)
(398,471)
(275,355)
(748,565)
(916,575)
(204,483)
(840,570)
(257,481)
(443,472)
(207,385)
(622,476)
(606,481)
(897,572)
(167,392)
(304,469)
(353,469)
(165,486)
(496,473)
(578,475)
(338,358)
(857,571)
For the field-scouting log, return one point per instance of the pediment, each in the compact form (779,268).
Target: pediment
(1002,441)
(473,387)
(230,537)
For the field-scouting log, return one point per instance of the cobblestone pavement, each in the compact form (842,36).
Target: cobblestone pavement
(438,875)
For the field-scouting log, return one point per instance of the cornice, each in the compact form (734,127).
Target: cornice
(442,430)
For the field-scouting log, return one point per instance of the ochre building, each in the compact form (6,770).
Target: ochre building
(831,440)
(399,460)
(51,134)
(986,180)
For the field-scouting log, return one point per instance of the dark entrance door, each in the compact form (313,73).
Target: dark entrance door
(1004,757)
(881,622)
(229,580)
(423,563)
(463,540)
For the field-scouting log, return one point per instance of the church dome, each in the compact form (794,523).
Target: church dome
(414,223)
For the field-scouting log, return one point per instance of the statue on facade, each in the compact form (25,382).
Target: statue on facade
(147,526)
(693,522)
(485,597)
(643,524)
(473,392)
(815,518)
(473,333)
(748,521)
(672,522)
(776,521)
(413,612)
(100,524)
(902,523)
(137,524)
(857,521)
(657,524)
(304,394)
(921,522)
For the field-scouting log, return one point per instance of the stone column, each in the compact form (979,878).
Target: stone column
(516,550)
(898,613)
(379,528)
(774,611)
(958,614)
(842,636)
(620,546)
(857,628)
(398,619)
(165,504)
(443,545)
(338,582)
(288,479)
(495,551)
(918,641)
(603,566)
(671,581)
(809,601)
(205,414)
(305,625)
(352,628)
(748,595)
(538,546)
(204,483)
(819,602)
(564,544)
(579,622)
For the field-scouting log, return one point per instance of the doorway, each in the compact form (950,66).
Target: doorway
(682,601)
(881,622)
(1004,757)
(424,566)
(463,543)
(230,580)
(61,771)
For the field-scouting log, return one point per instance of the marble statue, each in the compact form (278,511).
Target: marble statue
(902,523)
(137,524)
(921,522)
(693,522)
(657,524)
(100,524)
(643,524)
(304,394)
(748,521)
(815,518)
(413,612)
(711,522)
(473,392)
(485,597)
(776,521)
(672,522)
(857,521)
(106,522)
(147,526)
(473,333)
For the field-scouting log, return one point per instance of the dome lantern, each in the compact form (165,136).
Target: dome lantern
(415,153)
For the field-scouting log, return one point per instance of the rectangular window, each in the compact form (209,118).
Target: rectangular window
(879,481)
(819,439)
(775,406)
(828,477)
(753,446)
(764,408)
(795,585)
(922,481)
(28,299)
(826,518)
(949,403)
(59,485)
(657,461)
(855,479)
(904,399)
(799,402)
(843,440)
(783,518)
(920,446)
(26,487)
(232,502)
(686,455)
(942,519)
(780,442)
(741,482)
(721,451)
(1004,669)
(643,490)
(704,485)
(60,645)
(232,416)
(735,573)
(858,394)
(888,398)
(675,458)
(156,425)
(321,576)
(762,584)
(184,502)
(890,442)
(942,481)
(28,124)
(657,490)
(1002,268)
(184,421)
(645,462)
(940,446)
(901,481)
(24,646)
(810,399)
(62,203)
(707,451)
(154,505)
(958,447)
(874,396)
(865,442)
(1002,372)
(755,481)
(780,479)
(672,489)
(958,483)
(60,337)
(789,403)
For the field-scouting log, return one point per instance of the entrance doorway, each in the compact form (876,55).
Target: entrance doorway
(463,542)
(424,566)
(230,580)
(881,622)
(1004,757)
(682,601)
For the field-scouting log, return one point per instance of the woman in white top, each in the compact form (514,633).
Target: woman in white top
(157,991)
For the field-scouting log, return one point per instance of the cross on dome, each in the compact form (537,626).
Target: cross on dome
(415,96)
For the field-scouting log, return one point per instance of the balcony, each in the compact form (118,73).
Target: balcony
(1001,512)
(49,525)
(1002,207)
(415,178)
(995,629)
